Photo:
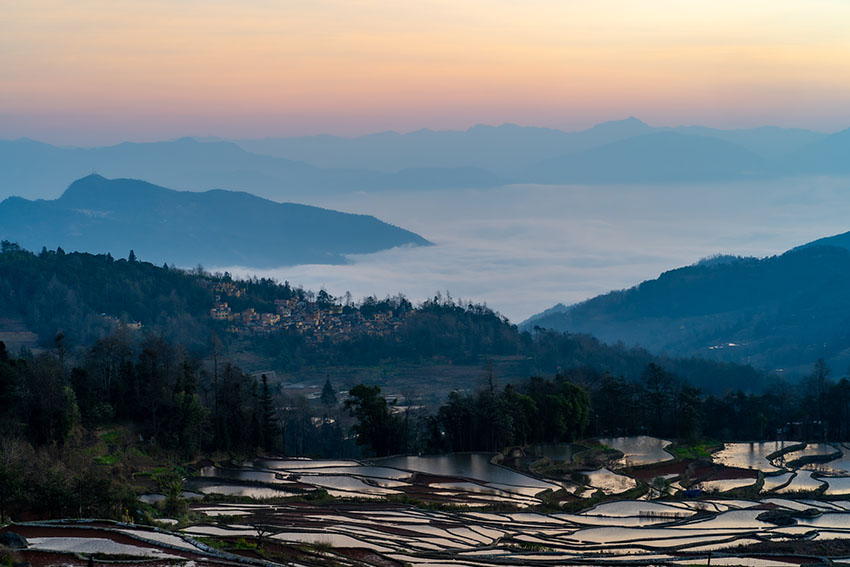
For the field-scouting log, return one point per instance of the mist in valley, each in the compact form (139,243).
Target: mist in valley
(524,248)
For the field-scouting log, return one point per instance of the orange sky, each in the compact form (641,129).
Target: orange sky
(96,71)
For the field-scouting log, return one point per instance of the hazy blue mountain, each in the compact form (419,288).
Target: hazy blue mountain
(779,312)
(656,157)
(829,155)
(214,228)
(36,170)
(505,149)
(624,151)
(767,141)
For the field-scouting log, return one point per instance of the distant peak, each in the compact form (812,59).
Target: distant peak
(93,183)
(90,178)
(97,187)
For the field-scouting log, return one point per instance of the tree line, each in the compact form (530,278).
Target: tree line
(585,402)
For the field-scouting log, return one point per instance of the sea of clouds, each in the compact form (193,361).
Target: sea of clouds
(523,248)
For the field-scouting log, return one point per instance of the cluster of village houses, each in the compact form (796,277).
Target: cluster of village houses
(315,321)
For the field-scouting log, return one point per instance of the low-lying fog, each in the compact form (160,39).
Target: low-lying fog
(524,248)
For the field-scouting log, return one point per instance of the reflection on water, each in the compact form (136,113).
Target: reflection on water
(639,450)
(241,474)
(625,508)
(726,484)
(258,492)
(750,455)
(811,450)
(802,482)
(465,465)
(557,452)
(774,482)
(610,482)
(838,467)
(290,464)
(838,486)
(361,470)
(345,483)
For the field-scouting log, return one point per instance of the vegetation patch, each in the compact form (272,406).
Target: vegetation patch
(108,460)
(700,450)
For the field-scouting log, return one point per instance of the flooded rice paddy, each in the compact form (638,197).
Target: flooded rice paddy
(755,504)
(476,466)
(640,450)
(734,532)
(751,455)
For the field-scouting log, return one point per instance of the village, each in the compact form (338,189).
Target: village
(316,321)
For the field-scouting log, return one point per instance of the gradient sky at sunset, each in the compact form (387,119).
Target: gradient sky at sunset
(99,71)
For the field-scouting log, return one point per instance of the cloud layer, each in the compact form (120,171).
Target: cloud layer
(524,248)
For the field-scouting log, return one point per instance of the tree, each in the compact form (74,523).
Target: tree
(328,394)
(687,411)
(268,416)
(658,384)
(324,299)
(819,380)
(132,256)
(377,427)
(11,472)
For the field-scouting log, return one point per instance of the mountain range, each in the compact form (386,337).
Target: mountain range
(777,313)
(624,151)
(34,170)
(509,149)
(214,228)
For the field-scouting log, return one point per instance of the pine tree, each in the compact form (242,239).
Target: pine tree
(268,416)
(328,394)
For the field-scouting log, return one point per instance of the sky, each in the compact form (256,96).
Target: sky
(92,72)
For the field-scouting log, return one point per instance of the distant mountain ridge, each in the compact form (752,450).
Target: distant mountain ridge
(659,156)
(782,312)
(829,155)
(507,150)
(298,169)
(34,169)
(215,228)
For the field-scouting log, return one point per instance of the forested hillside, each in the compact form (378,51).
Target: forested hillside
(87,297)
(781,312)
